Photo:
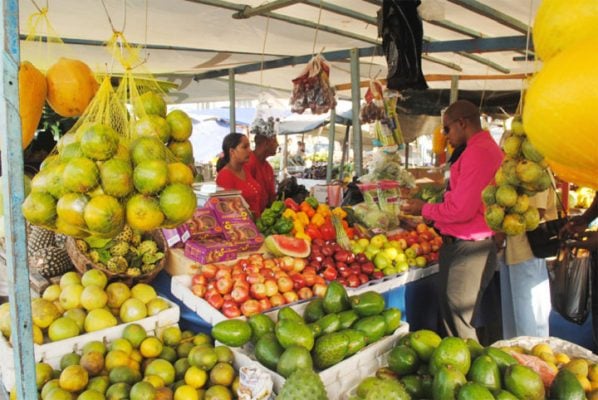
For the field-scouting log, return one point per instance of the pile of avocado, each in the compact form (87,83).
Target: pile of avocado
(429,367)
(332,328)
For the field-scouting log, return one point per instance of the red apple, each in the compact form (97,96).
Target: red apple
(320,280)
(255,278)
(209,270)
(298,280)
(231,310)
(299,264)
(319,289)
(421,228)
(253,269)
(265,304)
(266,273)
(363,278)
(280,274)
(271,287)
(310,278)
(239,277)
(287,263)
(227,296)
(210,291)
(255,258)
(258,290)
(368,268)
(305,293)
(240,294)
(353,280)
(378,275)
(343,281)
(402,243)
(215,300)
(199,279)
(199,290)
(243,284)
(290,297)
(251,307)
(285,284)
(426,247)
(223,273)
(269,263)
(277,300)
(330,274)
(224,285)
(310,270)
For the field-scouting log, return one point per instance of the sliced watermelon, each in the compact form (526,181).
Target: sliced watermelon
(281,245)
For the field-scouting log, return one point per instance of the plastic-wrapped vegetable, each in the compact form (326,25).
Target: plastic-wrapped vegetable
(312,88)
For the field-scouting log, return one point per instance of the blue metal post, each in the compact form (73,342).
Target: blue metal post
(12,169)
(331,135)
(231,97)
(356,98)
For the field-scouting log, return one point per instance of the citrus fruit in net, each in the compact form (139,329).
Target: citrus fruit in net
(39,208)
(150,103)
(99,142)
(144,213)
(180,125)
(180,173)
(147,148)
(104,215)
(150,177)
(183,151)
(153,125)
(178,203)
(117,177)
(80,175)
(70,208)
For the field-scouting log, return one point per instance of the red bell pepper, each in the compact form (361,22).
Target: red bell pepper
(292,204)
(313,231)
(327,230)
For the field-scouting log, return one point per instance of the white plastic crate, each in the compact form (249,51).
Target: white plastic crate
(180,288)
(342,377)
(390,282)
(52,352)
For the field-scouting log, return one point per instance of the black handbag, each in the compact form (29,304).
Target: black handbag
(544,240)
(570,279)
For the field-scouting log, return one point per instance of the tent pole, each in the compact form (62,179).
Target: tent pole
(285,157)
(454,88)
(356,97)
(344,154)
(14,224)
(331,133)
(231,98)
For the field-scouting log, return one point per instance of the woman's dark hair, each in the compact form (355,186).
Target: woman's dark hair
(230,141)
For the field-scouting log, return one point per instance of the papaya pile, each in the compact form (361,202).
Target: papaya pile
(173,364)
(331,329)
(425,366)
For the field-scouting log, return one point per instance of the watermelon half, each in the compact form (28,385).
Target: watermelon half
(281,245)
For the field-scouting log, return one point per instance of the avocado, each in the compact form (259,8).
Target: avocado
(268,351)
(504,395)
(356,341)
(524,383)
(368,304)
(291,333)
(232,332)
(413,385)
(315,329)
(293,358)
(329,323)
(424,342)
(451,351)
(392,316)
(314,310)
(403,360)
(566,387)
(484,371)
(366,385)
(475,348)
(502,359)
(474,391)
(373,327)
(330,349)
(336,298)
(447,383)
(287,313)
(348,318)
(260,325)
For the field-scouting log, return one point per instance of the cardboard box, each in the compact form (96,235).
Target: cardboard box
(210,250)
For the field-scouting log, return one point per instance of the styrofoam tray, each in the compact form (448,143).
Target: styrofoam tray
(557,345)
(394,281)
(52,352)
(342,377)
(180,288)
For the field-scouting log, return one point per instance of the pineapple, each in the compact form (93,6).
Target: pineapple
(50,261)
(120,248)
(147,246)
(39,238)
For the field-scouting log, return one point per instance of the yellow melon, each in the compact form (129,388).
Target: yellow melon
(71,86)
(32,97)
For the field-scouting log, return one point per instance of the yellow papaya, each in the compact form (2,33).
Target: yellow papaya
(438,141)
(71,86)
(32,97)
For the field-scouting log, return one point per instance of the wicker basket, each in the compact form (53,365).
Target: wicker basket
(82,262)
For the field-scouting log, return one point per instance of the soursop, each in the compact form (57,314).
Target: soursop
(303,384)
(126,235)
(82,245)
(117,264)
(147,246)
(147,268)
(119,249)
(149,258)
(94,256)
(135,239)
(133,271)
(388,389)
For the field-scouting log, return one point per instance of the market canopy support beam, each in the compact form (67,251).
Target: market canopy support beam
(356,99)
(493,14)
(331,134)
(249,11)
(14,224)
(506,43)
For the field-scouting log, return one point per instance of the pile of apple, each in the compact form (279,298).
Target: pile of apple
(333,263)
(396,253)
(255,284)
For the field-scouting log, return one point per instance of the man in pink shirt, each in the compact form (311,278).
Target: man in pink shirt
(468,254)
(259,167)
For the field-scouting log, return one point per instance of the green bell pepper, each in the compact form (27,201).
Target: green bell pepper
(283,226)
(277,206)
(312,201)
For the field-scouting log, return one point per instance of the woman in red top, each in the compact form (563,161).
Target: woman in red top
(233,171)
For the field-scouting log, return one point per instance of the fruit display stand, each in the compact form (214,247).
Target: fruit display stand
(558,345)
(52,352)
(391,282)
(341,377)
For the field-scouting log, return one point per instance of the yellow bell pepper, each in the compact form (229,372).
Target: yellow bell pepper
(288,213)
(323,210)
(302,217)
(298,226)
(339,212)
(303,235)
(318,219)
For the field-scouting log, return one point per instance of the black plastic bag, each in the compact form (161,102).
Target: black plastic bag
(569,277)
(544,240)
